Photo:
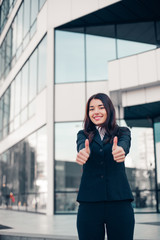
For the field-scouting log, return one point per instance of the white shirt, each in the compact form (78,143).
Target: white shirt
(101,131)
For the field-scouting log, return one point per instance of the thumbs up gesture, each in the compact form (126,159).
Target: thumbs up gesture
(117,151)
(83,154)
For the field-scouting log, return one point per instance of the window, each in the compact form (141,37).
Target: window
(69,55)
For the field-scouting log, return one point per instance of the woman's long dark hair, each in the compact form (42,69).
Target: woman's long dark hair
(110,124)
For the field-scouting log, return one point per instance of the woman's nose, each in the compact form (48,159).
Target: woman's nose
(96,111)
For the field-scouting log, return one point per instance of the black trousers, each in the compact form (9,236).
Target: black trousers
(117,217)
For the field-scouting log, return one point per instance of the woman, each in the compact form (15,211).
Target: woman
(104,194)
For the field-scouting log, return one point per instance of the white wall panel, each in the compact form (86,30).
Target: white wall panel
(147,67)
(114,75)
(83,7)
(133,97)
(158,63)
(97,87)
(105,3)
(59,12)
(69,102)
(153,94)
(128,72)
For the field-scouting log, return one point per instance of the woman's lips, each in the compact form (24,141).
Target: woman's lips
(97,118)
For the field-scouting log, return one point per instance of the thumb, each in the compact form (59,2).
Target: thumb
(87,146)
(115,141)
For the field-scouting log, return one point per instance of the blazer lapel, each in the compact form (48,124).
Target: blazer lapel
(97,138)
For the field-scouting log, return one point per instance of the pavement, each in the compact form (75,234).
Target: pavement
(27,226)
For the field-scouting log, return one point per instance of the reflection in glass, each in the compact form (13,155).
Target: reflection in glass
(66,202)
(33,75)
(140,168)
(127,48)
(26,23)
(21,174)
(6,111)
(19,26)
(41,170)
(17,94)
(157,143)
(69,57)
(65,138)
(99,50)
(67,171)
(34,10)
(24,91)
(12,100)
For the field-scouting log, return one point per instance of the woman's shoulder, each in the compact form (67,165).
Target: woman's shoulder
(81,133)
(124,130)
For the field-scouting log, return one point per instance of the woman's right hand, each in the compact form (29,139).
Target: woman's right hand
(83,154)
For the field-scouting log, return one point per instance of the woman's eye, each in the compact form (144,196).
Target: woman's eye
(91,109)
(101,107)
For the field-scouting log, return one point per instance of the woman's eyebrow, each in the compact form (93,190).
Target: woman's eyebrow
(98,106)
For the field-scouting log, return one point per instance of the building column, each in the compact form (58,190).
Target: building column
(50,120)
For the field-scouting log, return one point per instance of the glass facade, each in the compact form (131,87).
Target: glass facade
(140,168)
(23,172)
(67,171)
(19,34)
(95,47)
(17,103)
(5,9)
(83,55)
(157,155)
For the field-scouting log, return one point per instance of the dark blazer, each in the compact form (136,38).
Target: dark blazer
(103,179)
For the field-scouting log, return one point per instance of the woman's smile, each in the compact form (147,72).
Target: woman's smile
(97,112)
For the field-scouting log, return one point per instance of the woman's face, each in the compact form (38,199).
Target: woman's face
(97,112)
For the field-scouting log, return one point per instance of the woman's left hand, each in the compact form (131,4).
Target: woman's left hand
(117,151)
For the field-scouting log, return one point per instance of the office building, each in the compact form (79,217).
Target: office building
(54,54)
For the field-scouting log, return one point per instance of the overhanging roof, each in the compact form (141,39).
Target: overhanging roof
(131,17)
(142,115)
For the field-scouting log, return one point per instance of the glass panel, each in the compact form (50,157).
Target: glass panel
(31,163)
(1,114)
(31,109)
(42,64)
(127,48)
(99,50)
(20,26)
(6,110)
(33,75)
(26,24)
(24,115)
(34,10)
(12,100)
(66,202)
(8,49)
(157,148)
(24,95)
(41,3)
(65,138)
(140,169)
(14,40)
(41,165)
(17,93)
(67,171)
(69,54)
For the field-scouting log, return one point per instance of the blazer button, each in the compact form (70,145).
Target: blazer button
(102,176)
(101,162)
(101,150)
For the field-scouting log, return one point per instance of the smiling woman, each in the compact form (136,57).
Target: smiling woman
(97,112)
(104,194)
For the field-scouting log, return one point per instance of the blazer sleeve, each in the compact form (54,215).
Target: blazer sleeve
(81,137)
(124,139)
